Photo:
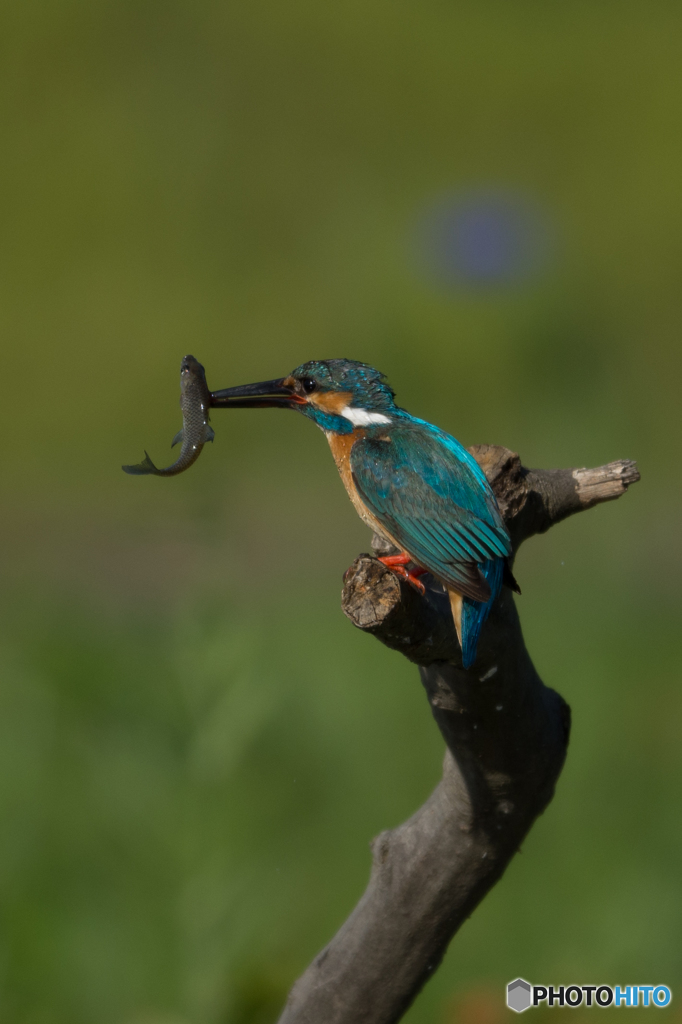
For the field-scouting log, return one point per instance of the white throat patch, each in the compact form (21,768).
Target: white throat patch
(363,418)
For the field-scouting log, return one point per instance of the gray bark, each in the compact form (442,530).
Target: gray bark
(506,735)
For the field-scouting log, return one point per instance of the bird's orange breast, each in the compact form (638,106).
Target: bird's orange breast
(341,446)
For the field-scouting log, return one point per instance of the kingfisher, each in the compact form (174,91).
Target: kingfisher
(411,482)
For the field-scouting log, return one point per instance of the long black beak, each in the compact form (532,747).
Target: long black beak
(251,396)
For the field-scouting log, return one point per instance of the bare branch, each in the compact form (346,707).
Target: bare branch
(506,736)
(532,500)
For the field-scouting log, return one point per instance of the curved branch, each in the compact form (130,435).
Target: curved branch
(506,735)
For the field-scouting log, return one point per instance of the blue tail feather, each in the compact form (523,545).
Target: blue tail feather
(474,613)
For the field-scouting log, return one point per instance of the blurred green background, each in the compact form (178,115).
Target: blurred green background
(195,746)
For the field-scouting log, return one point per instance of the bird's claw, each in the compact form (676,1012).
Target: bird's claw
(398,564)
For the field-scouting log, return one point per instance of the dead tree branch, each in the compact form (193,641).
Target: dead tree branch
(506,735)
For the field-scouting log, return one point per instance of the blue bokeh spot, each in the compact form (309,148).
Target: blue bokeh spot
(484,239)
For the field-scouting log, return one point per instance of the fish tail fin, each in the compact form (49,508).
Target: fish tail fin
(474,613)
(143,468)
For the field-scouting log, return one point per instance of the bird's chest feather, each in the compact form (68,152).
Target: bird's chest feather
(341,446)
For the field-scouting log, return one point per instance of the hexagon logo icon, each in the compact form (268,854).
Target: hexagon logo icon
(518,995)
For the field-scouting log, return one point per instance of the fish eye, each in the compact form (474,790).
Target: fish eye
(308,384)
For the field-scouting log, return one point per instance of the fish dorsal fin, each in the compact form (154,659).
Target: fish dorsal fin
(179,437)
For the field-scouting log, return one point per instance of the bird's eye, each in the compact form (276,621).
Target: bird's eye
(308,384)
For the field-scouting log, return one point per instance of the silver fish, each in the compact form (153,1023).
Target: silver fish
(194,401)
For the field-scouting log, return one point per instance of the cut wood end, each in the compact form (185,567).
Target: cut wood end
(370,594)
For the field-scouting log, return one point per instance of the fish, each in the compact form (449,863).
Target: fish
(195,399)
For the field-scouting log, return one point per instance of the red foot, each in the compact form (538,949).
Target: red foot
(397,564)
(393,560)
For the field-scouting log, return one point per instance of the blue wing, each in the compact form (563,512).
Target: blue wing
(431,495)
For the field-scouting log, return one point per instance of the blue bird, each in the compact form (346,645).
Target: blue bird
(410,482)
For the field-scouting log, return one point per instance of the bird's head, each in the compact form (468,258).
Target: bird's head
(338,394)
